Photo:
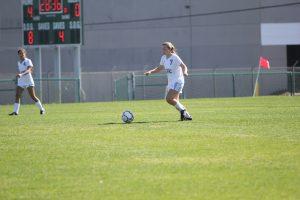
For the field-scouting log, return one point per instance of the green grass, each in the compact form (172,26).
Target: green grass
(242,148)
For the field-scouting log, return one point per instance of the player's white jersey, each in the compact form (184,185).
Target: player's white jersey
(23,65)
(25,80)
(172,66)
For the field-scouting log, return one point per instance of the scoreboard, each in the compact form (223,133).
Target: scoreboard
(52,22)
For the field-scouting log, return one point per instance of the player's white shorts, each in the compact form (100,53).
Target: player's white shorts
(25,83)
(178,86)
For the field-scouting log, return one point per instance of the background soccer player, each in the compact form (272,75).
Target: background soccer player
(176,71)
(25,80)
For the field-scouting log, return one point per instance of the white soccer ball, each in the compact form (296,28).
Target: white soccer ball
(127,116)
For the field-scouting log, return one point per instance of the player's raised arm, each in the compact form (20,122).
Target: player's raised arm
(155,70)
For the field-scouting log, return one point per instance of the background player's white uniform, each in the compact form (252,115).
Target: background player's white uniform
(174,71)
(25,80)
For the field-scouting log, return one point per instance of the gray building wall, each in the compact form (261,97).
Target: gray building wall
(204,42)
(225,40)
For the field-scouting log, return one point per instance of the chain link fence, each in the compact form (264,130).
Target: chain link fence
(124,85)
(65,90)
(211,84)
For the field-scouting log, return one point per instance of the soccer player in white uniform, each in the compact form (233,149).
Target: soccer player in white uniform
(176,71)
(25,80)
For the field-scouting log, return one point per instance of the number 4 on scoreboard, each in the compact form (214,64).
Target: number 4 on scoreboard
(61,35)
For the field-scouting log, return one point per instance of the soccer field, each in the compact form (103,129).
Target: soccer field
(235,148)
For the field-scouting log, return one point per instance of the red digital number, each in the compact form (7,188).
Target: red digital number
(66,10)
(61,36)
(44,5)
(57,5)
(50,5)
(77,10)
(30,37)
(30,11)
(47,6)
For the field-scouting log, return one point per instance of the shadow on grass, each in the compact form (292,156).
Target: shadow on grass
(142,122)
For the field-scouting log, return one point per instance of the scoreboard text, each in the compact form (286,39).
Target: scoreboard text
(52,22)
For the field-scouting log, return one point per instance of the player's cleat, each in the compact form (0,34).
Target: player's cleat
(187,116)
(184,115)
(42,112)
(13,113)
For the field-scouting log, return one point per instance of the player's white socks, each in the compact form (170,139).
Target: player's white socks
(179,106)
(39,105)
(16,108)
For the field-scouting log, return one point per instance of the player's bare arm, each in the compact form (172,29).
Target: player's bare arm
(29,70)
(155,70)
(184,69)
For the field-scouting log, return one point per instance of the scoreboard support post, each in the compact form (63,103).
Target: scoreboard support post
(57,71)
(77,69)
(38,70)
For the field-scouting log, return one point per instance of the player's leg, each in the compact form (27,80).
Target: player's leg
(184,115)
(19,91)
(172,98)
(174,90)
(38,103)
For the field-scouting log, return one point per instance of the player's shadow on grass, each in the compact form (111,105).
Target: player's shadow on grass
(142,122)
